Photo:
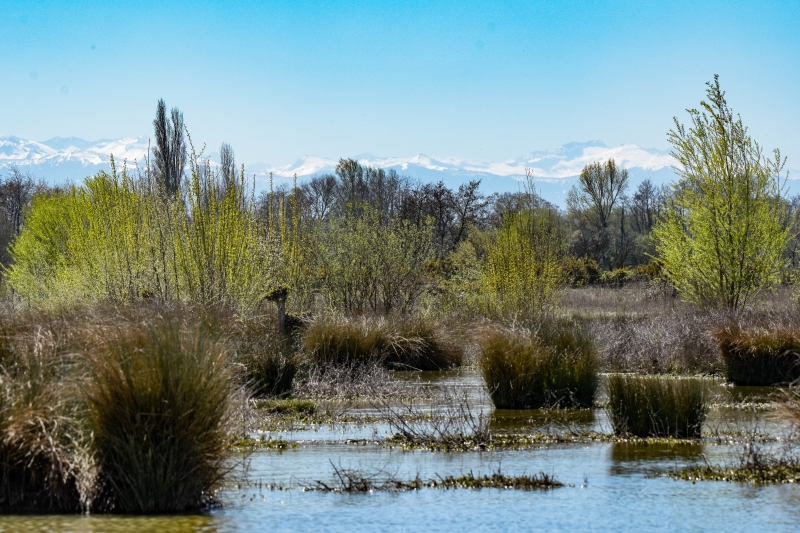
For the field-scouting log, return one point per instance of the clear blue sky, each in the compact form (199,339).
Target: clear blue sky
(480,80)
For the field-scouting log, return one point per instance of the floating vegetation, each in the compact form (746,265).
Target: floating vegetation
(773,473)
(353,481)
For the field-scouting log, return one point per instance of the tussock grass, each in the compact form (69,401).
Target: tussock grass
(267,356)
(554,365)
(759,354)
(651,406)
(41,446)
(402,343)
(160,396)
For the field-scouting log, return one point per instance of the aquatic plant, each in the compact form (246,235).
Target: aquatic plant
(652,406)
(553,365)
(407,343)
(160,397)
(759,354)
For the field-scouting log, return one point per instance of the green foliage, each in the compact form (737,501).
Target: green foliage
(406,343)
(650,406)
(721,239)
(578,272)
(160,398)
(554,365)
(522,271)
(119,238)
(759,355)
(374,265)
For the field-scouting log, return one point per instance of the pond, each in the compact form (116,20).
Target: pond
(608,486)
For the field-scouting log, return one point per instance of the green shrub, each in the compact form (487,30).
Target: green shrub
(403,343)
(160,396)
(554,365)
(759,355)
(650,406)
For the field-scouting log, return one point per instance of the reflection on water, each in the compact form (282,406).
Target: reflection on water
(610,486)
(113,524)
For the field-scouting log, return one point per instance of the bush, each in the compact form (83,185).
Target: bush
(649,406)
(40,443)
(759,355)
(160,397)
(403,344)
(553,366)
(268,357)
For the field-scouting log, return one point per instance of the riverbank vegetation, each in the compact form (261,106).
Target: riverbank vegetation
(144,310)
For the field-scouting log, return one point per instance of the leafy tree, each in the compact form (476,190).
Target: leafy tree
(722,237)
(599,187)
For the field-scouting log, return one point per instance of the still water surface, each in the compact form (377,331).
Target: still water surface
(610,487)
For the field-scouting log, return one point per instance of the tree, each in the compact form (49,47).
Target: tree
(600,185)
(170,152)
(722,237)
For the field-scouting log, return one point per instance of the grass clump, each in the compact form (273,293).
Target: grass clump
(759,355)
(267,356)
(403,343)
(160,396)
(554,365)
(41,445)
(650,406)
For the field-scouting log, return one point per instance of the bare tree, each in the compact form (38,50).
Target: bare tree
(227,164)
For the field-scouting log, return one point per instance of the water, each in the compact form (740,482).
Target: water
(609,486)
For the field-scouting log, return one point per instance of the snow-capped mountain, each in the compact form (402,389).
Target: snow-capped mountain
(61,159)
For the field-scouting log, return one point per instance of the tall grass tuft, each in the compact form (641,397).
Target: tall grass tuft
(650,406)
(404,343)
(554,365)
(759,354)
(268,356)
(160,395)
(40,442)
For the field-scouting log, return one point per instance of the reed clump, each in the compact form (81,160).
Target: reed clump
(553,365)
(41,443)
(759,354)
(654,406)
(267,356)
(402,343)
(160,396)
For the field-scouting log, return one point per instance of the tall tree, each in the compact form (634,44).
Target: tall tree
(169,154)
(599,187)
(723,237)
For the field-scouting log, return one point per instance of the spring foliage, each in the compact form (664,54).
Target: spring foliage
(722,240)
(120,237)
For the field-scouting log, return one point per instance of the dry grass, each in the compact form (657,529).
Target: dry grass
(104,409)
(763,350)
(402,343)
(650,406)
(553,365)
(160,395)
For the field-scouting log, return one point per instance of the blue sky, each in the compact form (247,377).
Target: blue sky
(478,80)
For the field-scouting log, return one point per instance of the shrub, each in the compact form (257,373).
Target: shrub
(554,365)
(160,396)
(759,355)
(404,343)
(268,357)
(649,406)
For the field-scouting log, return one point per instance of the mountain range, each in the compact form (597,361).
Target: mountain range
(63,159)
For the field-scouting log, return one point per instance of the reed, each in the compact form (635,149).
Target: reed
(759,354)
(402,344)
(652,406)
(553,365)
(160,396)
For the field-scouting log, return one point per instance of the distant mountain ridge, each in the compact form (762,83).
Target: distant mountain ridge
(60,159)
